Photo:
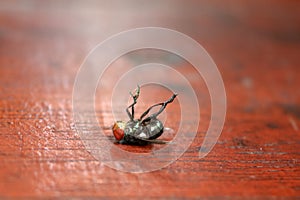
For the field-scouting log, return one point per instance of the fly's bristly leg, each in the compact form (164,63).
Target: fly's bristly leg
(134,97)
(154,115)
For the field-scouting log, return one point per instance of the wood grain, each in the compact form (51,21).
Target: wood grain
(256,47)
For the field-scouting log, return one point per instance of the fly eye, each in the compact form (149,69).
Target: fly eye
(118,133)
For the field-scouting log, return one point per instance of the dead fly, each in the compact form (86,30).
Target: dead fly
(141,131)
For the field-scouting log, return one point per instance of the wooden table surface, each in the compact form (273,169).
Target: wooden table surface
(255,45)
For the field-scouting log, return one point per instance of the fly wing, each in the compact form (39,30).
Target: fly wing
(145,133)
(154,141)
(168,131)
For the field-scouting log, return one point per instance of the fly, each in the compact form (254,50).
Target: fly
(144,130)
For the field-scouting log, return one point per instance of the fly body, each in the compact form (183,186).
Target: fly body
(144,130)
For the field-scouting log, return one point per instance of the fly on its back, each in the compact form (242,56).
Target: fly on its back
(144,130)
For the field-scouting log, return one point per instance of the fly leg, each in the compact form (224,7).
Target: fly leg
(134,97)
(154,115)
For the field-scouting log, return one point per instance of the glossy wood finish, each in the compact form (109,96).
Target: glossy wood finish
(256,47)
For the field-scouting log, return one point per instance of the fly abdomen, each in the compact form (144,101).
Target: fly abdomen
(155,128)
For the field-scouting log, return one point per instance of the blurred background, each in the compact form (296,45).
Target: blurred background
(255,45)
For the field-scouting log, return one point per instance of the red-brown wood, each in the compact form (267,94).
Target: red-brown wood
(256,46)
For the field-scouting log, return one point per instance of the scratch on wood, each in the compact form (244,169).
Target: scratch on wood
(293,123)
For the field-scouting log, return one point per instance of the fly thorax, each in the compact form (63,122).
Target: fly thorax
(132,127)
